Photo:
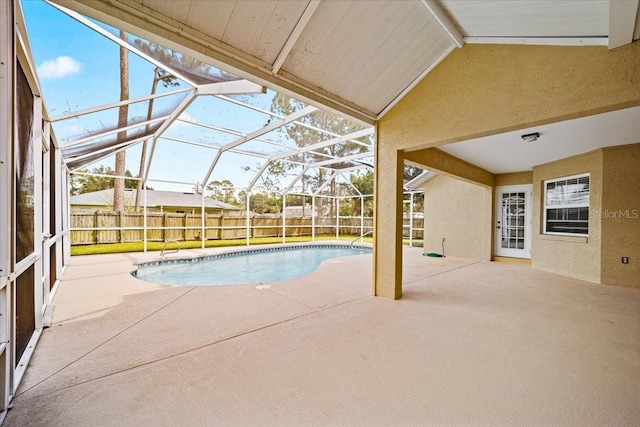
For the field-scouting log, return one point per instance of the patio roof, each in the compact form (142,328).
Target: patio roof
(202,117)
(359,57)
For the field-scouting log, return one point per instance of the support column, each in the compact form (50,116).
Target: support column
(387,237)
(313,218)
(284,218)
(248,231)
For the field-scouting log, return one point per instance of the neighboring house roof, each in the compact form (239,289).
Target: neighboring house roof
(154,199)
(419,180)
(297,210)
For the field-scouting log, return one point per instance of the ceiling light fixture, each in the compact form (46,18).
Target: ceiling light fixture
(531,137)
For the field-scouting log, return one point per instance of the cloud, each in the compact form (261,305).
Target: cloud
(57,68)
(186,116)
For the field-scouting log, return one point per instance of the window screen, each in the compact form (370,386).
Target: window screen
(566,207)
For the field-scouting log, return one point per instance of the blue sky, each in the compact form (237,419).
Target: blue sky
(78,69)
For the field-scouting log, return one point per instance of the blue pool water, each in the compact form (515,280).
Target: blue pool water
(255,266)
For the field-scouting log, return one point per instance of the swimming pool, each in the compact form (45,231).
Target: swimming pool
(244,267)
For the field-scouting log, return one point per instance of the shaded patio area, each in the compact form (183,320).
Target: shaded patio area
(470,343)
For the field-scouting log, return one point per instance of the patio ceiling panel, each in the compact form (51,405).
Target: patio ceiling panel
(529,18)
(371,61)
(354,57)
(259,29)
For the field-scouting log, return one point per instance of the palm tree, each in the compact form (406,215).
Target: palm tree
(123,113)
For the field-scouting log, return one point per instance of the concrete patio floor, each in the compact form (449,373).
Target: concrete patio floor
(470,343)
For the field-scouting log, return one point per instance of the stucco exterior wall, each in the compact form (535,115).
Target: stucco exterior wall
(461,213)
(515,178)
(482,90)
(620,215)
(572,256)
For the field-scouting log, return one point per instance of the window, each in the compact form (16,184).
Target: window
(566,205)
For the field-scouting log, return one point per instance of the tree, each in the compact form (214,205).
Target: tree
(167,80)
(271,181)
(81,184)
(306,135)
(123,113)
(222,191)
(196,70)
(260,203)
(411,172)
(364,183)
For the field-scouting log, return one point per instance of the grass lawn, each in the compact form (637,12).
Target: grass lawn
(112,248)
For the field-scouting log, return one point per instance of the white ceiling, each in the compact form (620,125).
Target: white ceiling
(358,57)
(539,18)
(508,152)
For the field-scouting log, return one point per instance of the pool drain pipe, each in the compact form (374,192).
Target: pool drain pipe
(435,254)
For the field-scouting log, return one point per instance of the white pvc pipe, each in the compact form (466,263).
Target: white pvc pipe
(284,218)
(337,218)
(248,231)
(203,220)
(411,220)
(313,218)
(144,216)
(361,218)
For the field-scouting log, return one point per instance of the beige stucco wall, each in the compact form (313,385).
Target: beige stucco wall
(620,215)
(482,90)
(515,178)
(577,257)
(461,213)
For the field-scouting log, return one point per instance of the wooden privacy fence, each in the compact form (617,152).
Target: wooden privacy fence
(108,227)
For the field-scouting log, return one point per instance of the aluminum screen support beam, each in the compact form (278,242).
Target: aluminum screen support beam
(248,231)
(361,219)
(271,113)
(341,159)
(253,135)
(323,144)
(95,27)
(236,87)
(296,179)
(313,218)
(204,220)
(350,183)
(76,114)
(356,168)
(144,218)
(107,150)
(327,182)
(258,175)
(163,127)
(338,219)
(411,220)
(111,132)
(284,218)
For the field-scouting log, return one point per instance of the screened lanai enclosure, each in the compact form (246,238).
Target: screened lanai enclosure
(121,106)
(94,104)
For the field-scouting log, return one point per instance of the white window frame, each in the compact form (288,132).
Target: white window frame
(546,207)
